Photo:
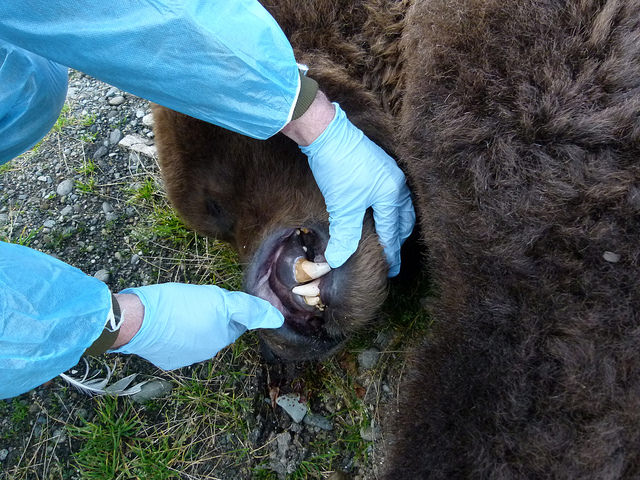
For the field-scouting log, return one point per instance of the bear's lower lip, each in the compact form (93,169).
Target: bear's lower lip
(271,276)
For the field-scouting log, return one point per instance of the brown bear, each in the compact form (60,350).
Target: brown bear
(518,124)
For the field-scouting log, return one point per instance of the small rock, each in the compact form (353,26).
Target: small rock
(49,223)
(106,207)
(147,120)
(314,420)
(118,256)
(153,389)
(110,216)
(117,100)
(370,434)
(290,403)
(368,358)
(115,136)
(611,257)
(59,435)
(135,259)
(66,211)
(102,275)
(3,454)
(139,113)
(137,143)
(4,218)
(283,440)
(43,178)
(65,187)
(100,152)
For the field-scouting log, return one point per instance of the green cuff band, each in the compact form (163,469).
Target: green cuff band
(308,90)
(107,338)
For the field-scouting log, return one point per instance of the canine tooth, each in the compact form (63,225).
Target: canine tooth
(311,289)
(306,270)
(313,301)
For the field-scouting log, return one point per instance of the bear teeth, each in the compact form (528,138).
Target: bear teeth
(305,271)
(311,289)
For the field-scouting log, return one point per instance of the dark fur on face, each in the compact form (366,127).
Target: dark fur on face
(518,124)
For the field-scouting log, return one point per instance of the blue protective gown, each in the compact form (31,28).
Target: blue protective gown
(223,61)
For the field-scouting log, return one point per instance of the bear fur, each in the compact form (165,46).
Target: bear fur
(521,135)
(518,125)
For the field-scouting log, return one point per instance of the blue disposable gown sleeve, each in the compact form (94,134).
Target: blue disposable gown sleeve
(32,92)
(223,61)
(50,312)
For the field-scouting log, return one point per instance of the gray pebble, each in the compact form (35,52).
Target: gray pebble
(106,207)
(115,136)
(118,256)
(65,187)
(102,275)
(611,257)
(49,223)
(135,259)
(370,434)
(68,210)
(4,218)
(111,216)
(283,440)
(368,358)
(139,113)
(59,435)
(147,120)
(100,152)
(151,390)
(3,454)
(117,100)
(291,404)
(314,420)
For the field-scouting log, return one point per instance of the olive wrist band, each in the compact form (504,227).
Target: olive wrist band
(110,332)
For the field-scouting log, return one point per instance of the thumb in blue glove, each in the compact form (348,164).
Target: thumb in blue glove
(184,324)
(353,174)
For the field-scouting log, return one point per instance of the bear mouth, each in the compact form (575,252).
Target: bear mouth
(275,275)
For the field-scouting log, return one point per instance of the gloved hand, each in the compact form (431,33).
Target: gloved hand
(185,324)
(353,174)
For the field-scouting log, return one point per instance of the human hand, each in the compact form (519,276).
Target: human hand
(353,174)
(185,324)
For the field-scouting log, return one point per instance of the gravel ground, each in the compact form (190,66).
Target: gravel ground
(71,197)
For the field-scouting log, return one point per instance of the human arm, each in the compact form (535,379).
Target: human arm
(226,62)
(51,312)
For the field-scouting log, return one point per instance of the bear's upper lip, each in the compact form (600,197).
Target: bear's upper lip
(271,275)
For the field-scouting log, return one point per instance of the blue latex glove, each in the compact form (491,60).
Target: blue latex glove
(185,324)
(353,174)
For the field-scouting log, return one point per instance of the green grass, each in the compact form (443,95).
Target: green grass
(87,168)
(86,187)
(64,119)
